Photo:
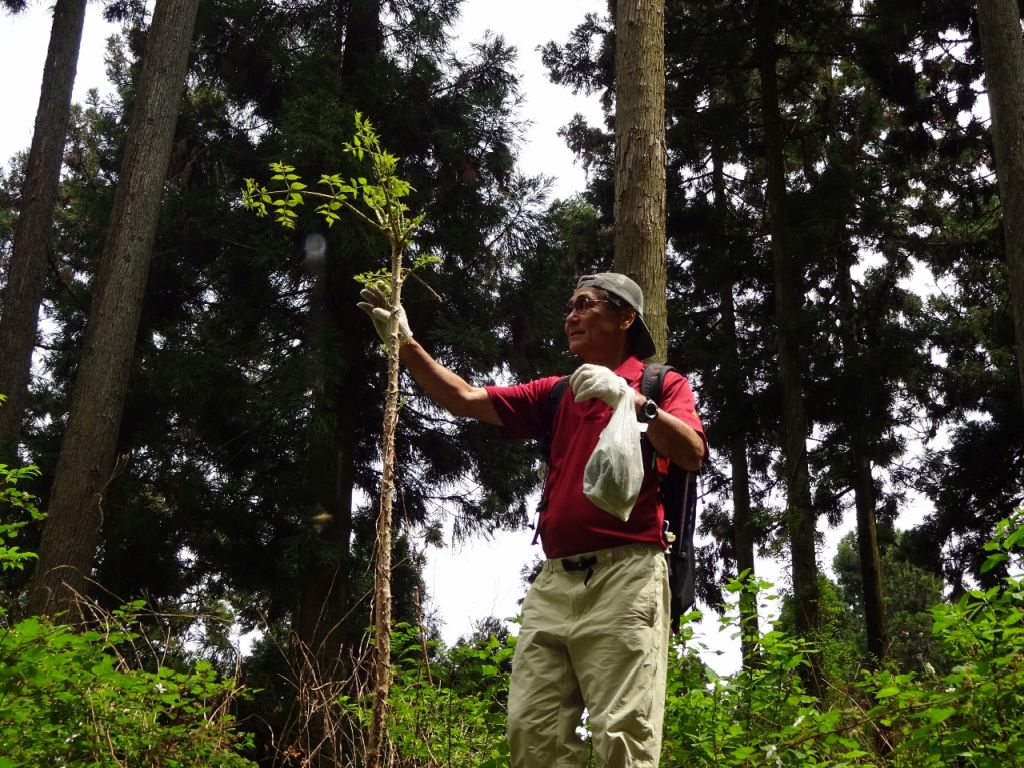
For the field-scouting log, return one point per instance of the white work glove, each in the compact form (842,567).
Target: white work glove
(590,380)
(376,306)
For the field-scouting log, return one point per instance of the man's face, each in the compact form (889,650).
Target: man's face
(595,327)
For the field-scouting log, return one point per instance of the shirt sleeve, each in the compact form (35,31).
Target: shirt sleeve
(677,398)
(521,408)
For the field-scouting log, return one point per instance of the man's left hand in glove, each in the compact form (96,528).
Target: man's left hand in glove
(591,380)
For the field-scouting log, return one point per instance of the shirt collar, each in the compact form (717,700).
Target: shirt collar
(632,369)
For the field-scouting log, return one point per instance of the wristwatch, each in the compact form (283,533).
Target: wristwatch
(647,411)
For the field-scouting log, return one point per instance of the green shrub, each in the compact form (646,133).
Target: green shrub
(759,716)
(450,711)
(972,715)
(969,717)
(70,698)
(12,502)
(448,705)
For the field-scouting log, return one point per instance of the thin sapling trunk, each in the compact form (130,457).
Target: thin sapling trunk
(377,203)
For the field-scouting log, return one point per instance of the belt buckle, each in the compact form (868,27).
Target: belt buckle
(579,563)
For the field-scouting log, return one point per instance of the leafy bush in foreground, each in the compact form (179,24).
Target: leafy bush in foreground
(969,717)
(83,698)
(71,698)
(448,705)
(761,717)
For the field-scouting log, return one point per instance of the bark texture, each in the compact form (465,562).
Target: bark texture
(376,746)
(24,290)
(800,518)
(640,157)
(1003,51)
(87,456)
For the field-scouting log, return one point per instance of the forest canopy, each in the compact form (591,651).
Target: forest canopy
(843,292)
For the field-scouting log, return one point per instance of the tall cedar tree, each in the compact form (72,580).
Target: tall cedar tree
(87,457)
(717,271)
(925,60)
(788,299)
(23,290)
(639,213)
(1003,50)
(841,125)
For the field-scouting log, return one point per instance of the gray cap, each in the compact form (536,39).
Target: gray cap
(630,292)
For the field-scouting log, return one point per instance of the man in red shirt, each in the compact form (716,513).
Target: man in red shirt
(595,625)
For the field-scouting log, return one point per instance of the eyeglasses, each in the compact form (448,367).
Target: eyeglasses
(581,305)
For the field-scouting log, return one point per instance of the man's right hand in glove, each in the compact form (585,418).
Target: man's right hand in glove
(376,306)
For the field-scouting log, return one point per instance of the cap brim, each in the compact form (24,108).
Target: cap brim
(644,341)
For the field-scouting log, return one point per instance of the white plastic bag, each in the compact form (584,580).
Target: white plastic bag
(615,470)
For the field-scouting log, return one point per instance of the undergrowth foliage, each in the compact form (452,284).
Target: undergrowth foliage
(74,698)
(448,704)
(86,698)
(761,716)
(94,698)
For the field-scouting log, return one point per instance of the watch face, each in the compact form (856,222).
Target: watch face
(650,410)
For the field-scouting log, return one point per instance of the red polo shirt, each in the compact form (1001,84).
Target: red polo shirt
(571,524)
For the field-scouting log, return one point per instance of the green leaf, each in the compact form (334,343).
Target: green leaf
(938,714)
(1013,538)
(992,561)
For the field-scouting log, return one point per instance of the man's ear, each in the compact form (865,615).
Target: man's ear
(628,321)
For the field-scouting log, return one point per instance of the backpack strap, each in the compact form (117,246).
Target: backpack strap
(550,407)
(678,489)
(550,410)
(651,381)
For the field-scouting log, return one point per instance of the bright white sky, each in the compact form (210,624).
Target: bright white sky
(481,578)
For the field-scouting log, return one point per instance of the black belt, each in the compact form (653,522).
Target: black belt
(579,563)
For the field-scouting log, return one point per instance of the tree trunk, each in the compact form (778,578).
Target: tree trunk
(800,520)
(326,573)
(742,523)
(1003,51)
(377,743)
(362,39)
(325,618)
(24,290)
(876,623)
(640,157)
(324,599)
(87,453)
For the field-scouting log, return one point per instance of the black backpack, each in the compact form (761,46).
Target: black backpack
(678,488)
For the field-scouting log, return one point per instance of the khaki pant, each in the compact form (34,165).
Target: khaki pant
(595,635)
